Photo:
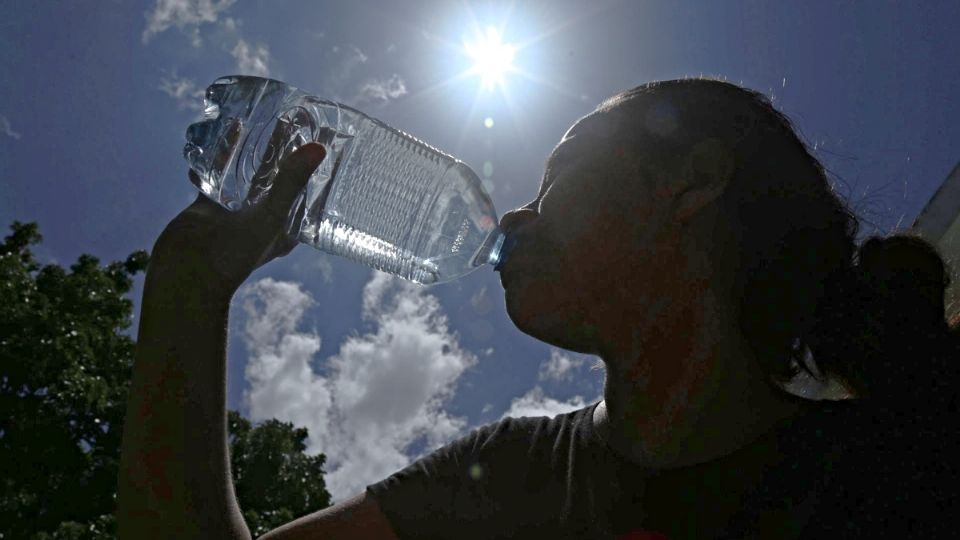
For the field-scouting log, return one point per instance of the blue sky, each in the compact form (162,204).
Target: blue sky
(96,97)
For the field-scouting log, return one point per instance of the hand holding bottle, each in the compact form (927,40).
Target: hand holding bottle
(382,197)
(219,248)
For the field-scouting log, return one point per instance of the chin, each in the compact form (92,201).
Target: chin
(550,324)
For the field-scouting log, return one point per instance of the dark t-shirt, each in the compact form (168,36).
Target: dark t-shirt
(555,478)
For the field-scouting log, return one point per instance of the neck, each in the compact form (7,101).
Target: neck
(688,394)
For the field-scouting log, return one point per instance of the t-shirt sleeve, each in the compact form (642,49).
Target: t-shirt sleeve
(461,490)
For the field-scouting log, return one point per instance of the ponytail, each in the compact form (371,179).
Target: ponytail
(881,326)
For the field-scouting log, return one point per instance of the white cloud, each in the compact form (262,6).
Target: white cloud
(559,367)
(479,298)
(382,90)
(325,268)
(186,15)
(354,55)
(251,60)
(315,264)
(340,66)
(184,91)
(7,128)
(358,56)
(535,403)
(481,302)
(381,392)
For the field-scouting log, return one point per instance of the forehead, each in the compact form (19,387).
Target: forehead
(599,124)
(588,132)
(593,132)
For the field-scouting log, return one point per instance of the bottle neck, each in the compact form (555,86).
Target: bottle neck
(496,250)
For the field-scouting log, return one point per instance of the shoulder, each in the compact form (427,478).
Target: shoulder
(892,467)
(500,440)
(821,424)
(535,428)
(512,442)
(482,479)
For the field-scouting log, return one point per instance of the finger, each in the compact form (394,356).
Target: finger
(292,177)
(231,136)
(269,160)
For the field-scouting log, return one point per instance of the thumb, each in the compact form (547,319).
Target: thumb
(295,170)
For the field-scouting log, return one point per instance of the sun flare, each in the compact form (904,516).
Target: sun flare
(492,58)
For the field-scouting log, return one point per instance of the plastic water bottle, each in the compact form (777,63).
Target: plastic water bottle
(380,197)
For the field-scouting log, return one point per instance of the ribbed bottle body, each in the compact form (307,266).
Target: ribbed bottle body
(381,197)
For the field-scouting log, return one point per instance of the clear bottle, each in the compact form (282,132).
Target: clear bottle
(381,197)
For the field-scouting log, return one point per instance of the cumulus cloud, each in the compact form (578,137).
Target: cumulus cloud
(184,92)
(7,128)
(379,394)
(186,15)
(560,366)
(535,403)
(251,60)
(382,90)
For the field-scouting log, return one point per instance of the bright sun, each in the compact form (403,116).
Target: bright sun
(492,58)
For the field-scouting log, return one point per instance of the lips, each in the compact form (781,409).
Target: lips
(509,242)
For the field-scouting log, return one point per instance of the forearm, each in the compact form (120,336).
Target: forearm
(174,466)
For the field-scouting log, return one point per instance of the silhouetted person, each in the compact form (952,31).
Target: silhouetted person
(686,236)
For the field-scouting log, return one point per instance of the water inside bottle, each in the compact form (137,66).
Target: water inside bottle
(406,209)
(381,197)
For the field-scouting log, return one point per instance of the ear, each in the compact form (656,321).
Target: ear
(709,168)
(695,199)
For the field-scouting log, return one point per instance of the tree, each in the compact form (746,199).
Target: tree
(274,480)
(65,371)
(65,366)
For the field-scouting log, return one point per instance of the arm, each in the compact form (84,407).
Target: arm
(174,479)
(359,518)
(174,467)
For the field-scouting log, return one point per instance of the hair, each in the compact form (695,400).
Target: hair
(802,285)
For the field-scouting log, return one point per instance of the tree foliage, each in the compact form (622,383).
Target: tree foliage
(274,480)
(65,372)
(65,367)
